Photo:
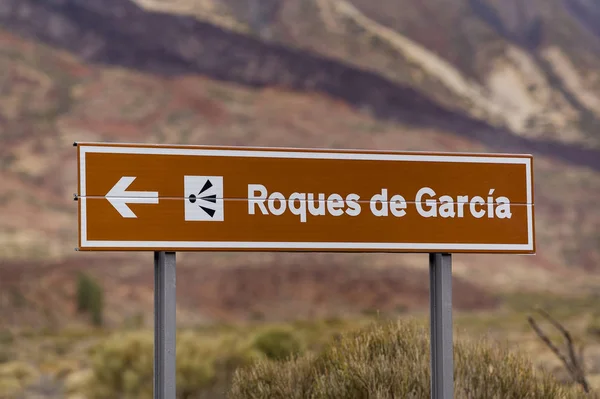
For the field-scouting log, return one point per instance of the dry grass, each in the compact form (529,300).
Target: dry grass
(209,354)
(392,360)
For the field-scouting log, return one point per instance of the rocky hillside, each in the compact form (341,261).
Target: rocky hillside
(527,65)
(430,75)
(512,77)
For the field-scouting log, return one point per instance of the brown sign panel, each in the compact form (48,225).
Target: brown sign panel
(195,198)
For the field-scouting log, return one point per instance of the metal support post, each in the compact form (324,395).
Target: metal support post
(442,361)
(164,324)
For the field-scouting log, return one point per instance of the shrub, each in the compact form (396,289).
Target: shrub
(122,365)
(16,376)
(134,321)
(6,337)
(392,361)
(6,353)
(593,327)
(278,343)
(90,298)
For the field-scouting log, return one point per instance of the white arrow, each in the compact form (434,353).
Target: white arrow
(119,197)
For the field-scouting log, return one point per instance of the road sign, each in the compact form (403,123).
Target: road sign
(194,198)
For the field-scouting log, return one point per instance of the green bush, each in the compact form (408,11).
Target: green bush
(90,298)
(278,343)
(122,365)
(392,361)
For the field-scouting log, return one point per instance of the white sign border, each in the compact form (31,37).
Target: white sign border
(302,154)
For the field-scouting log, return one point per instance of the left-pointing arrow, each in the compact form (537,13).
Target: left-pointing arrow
(119,197)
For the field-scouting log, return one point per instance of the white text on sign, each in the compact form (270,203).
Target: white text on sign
(427,203)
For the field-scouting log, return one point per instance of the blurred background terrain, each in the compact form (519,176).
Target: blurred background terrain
(436,75)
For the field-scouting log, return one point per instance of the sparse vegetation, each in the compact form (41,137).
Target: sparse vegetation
(99,363)
(90,298)
(278,344)
(134,321)
(123,364)
(17,298)
(6,353)
(573,360)
(15,376)
(391,361)
(593,327)
(6,337)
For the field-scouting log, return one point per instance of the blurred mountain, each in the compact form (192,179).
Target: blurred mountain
(528,69)
(452,75)
(530,66)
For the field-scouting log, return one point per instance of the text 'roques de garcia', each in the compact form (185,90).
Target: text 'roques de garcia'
(428,204)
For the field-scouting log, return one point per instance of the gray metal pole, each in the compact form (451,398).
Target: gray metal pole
(164,324)
(440,294)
